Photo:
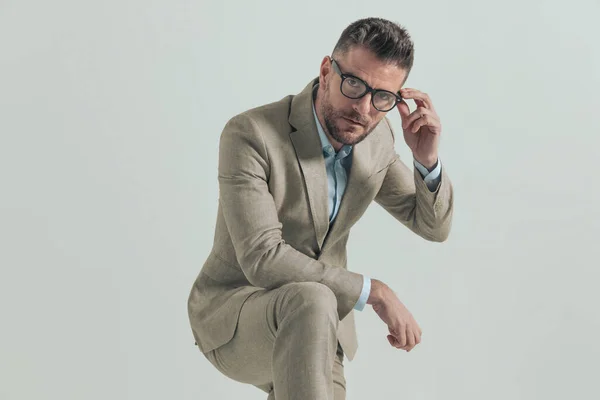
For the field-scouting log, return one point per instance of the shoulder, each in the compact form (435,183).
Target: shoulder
(267,118)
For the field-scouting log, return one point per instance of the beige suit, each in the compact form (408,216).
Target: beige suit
(272,224)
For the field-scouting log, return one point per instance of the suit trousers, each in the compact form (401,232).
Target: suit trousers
(286,344)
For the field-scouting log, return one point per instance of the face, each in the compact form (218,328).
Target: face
(349,121)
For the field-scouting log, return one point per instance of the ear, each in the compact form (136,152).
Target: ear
(325,71)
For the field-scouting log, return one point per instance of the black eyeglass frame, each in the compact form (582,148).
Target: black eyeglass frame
(368,89)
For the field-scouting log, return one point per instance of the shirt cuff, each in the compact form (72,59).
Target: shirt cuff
(364,296)
(432,179)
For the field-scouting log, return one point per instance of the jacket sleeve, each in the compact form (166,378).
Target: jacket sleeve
(249,211)
(405,195)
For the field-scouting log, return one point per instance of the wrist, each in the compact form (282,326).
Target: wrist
(428,162)
(375,295)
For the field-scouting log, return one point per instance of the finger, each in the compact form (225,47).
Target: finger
(408,348)
(414,116)
(393,337)
(418,97)
(422,99)
(403,336)
(418,124)
(421,104)
(405,347)
(418,336)
(426,120)
(420,121)
(410,338)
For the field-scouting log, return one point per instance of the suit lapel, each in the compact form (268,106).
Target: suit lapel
(309,152)
(355,189)
(307,145)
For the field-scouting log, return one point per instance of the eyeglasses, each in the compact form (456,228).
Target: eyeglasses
(355,88)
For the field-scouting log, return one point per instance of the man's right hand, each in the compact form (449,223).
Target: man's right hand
(405,333)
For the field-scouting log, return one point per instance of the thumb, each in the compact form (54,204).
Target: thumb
(393,341)
(403,110)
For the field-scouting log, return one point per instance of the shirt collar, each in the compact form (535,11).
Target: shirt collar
(328,149)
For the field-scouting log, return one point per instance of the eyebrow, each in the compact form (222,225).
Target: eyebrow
(364,80)
(353,74)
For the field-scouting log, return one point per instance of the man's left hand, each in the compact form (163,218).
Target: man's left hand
(422,127)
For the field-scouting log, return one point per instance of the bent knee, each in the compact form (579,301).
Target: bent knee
(313,294)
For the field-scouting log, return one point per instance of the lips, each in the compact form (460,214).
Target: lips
(353,121)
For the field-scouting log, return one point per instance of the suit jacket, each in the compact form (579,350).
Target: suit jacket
(272,223)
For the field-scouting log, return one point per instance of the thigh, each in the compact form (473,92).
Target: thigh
(247,358)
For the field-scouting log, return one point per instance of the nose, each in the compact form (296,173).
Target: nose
(363,105)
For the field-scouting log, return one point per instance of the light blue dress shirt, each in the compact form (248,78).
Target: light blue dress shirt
(337,166)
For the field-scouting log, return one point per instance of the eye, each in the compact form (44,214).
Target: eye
(353,82)
(385,96)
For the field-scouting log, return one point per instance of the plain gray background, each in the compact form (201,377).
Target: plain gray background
(110,116)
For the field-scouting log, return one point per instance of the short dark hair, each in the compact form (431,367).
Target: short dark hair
(389,41)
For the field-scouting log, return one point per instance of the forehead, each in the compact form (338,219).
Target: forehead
(365,65)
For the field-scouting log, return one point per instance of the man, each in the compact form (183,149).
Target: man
(273,304)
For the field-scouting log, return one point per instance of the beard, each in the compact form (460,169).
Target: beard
(351,135)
